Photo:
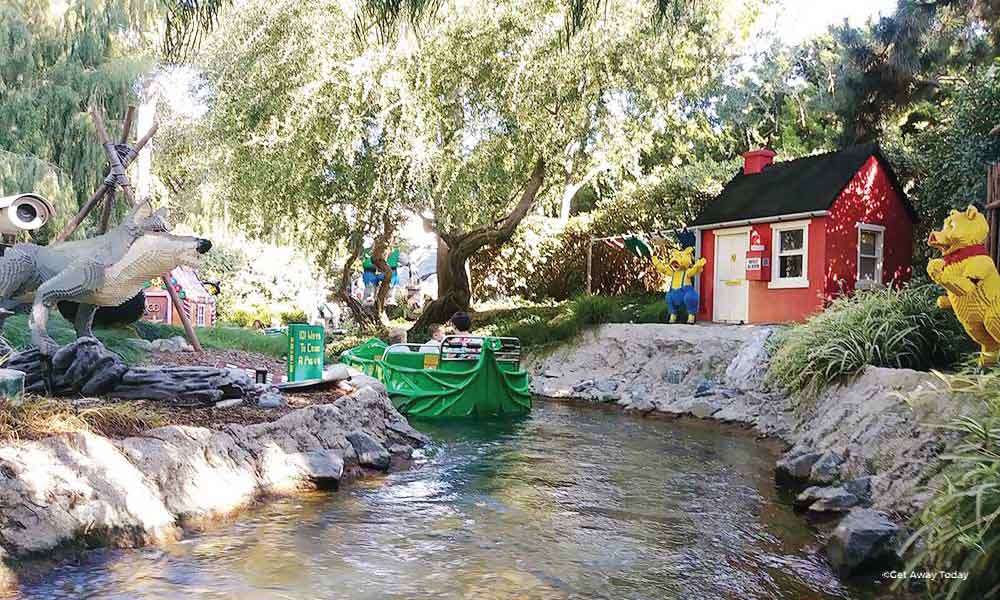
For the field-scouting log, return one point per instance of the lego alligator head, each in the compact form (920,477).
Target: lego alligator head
(961,229)
(681,260)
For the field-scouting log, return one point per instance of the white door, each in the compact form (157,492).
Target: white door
(730,277)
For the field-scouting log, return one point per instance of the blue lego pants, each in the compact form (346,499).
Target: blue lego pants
(682,299)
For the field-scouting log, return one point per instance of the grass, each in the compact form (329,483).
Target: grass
(15,331)
(959,528)
(227,338)
(885,328)
(38,417)
(549,324)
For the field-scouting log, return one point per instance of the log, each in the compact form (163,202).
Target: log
(85,367)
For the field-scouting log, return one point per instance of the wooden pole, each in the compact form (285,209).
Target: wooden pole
(89,205)
(590,261)
(111,198)
(118,171)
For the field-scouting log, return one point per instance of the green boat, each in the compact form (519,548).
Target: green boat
(466,376)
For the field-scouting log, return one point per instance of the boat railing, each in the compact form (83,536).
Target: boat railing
(469,347)
(421,348)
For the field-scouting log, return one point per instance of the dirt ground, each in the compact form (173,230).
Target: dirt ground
(245,413)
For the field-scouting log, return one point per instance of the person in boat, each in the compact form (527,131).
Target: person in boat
(437,334)
(461,341)
(397,335)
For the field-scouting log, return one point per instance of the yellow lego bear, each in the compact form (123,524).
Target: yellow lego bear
(679,270)
(970,278)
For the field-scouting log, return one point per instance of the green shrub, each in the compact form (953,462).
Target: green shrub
(593,310)
(959,528)
(294,316)
(883,328)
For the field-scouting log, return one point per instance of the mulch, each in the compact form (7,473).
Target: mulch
(243,414)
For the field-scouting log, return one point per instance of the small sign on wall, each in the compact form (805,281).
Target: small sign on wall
(306,346)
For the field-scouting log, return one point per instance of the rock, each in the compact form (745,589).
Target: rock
(827,468)
(181,344)
(607,386)
(705,388)
(337,372)
(827,499)
(674,375)
(746,370)
(796,467)
(229,403)
(401,451)
(704,409)
(370,452)
(140,344)
(101,492)
(640,404)
(865,540)
(271,399)
(860,487)
(583,385)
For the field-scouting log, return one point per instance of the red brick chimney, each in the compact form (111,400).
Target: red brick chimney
(755,160)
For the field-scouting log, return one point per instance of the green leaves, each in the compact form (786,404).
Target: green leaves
(884,328)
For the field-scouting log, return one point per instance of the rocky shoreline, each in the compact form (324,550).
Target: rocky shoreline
(78,491)
(857,451)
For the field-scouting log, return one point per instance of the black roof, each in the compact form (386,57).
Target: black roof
(802,185)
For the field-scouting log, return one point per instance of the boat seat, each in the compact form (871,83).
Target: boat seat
(405,358)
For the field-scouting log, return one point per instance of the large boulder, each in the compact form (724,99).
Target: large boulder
(371,453)
(826,469)
(85,489)
(746,371)
(796,467)
(865,540)
(827,499)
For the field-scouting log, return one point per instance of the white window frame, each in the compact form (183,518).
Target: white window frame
(201,313)
(879,257)
(777,281)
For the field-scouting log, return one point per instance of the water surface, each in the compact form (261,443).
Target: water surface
(568,503)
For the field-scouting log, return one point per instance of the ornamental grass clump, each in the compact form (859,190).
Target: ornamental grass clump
(959,529)
(883,328)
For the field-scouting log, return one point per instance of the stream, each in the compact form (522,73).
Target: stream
(570,502)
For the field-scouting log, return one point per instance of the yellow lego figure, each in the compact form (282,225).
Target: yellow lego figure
(970,278)
(679,270)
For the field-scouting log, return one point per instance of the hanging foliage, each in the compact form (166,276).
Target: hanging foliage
(56,61)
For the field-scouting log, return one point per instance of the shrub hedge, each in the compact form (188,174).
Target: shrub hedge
(901,328)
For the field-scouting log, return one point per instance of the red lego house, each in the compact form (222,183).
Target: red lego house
(782,239)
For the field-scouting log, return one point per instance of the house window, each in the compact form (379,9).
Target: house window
(200,319)
(790,249)
(870,243)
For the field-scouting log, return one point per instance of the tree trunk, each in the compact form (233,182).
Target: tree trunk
(572,189)
(361,315)
(454,288)
(380,254)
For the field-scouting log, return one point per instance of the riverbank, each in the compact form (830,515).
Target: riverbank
(857,448)
(81,490)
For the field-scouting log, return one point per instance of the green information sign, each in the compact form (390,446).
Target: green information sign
(305,352)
